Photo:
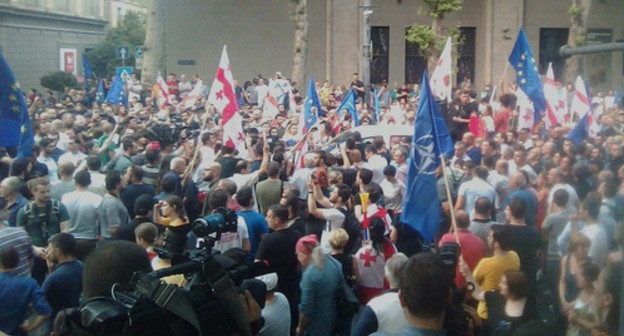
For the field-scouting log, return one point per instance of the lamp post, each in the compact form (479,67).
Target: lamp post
(367,11)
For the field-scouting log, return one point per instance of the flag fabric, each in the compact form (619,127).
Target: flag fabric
(581,106)
(421,207)
(116,94)
(526,111)
(441,76)
(279,89)
(222,97)
(376,108)
(88,74)
(527,77)
(311,107)
(552,99)
(15,127)
(270,107)
(160,90)
(99,94)
(192,97)
(581,131)
(617,99)
(348,103)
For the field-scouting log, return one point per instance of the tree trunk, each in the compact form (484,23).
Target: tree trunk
(576,37)
(155,49)
(300,50)
(432,58)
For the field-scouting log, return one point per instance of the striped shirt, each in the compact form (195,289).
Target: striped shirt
(18,238)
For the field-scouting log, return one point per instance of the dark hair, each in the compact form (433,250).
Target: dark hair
(517,283)
(592,204)
(82,178)
(176,202)
(127,143)
(244,196)
(425,285)
(389,171)
(481,172)
(374,192)
(366,175)
(112,261)
(146,231)
(65,242)
(501,235)
(561,198)
(370,148)
(94,162)
(136,172)
(293,202)
(612,285)
(168,183)
(218,199)
(152,156)
(482,206)
(273,169)
(280,212)
(112,179)
(143,205)
(518,208)
(590,271)
(344,192)
(9,257)
(19,166)
(377,229)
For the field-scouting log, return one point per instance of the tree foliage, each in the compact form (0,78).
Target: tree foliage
(130,31)
(59,80)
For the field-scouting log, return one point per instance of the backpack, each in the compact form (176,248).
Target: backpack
(352,225)
(30,213)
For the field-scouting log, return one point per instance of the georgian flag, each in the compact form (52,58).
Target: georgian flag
(222,97)
(553,113)
(162,92)
(193,96)
(441,76)
(270,107)
(526,111)
(582,106)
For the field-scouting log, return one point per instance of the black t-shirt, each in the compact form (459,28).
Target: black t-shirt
(500,324)
(526,241)
(278,248)
(132,192)
(359,85)
(228,164)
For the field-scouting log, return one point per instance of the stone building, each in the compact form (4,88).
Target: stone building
(259,35)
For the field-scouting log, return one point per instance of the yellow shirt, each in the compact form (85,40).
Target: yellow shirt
(489,272)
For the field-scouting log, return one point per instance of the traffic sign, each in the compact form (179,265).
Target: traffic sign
(138,51)
(138,63)
(124,72)
(123,52)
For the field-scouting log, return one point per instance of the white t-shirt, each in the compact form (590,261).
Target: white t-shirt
(599,248)
(376,163)
(231,240)
(387,308)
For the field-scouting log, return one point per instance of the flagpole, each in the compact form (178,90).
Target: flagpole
(500,82)
(450,199)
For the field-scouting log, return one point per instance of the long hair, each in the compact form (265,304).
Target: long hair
(376,230)
(318,257)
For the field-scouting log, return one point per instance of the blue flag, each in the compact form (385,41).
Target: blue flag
(376,108)
(88,73)
(527,75)
(312,100)
(421,207)
(348,103)
(581,131)
(617,99)
(116,94)
(99,95)
(15,127)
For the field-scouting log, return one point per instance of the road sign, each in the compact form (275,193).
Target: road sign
(123,52)
(124,72)
(138,51)
(138,63)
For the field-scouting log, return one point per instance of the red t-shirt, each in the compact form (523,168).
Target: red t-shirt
(472,249)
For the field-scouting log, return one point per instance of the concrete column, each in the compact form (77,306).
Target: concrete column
(78,10)
(489,40)
(329,21)
(101,11)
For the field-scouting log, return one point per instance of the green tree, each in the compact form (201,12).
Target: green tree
(130,32)
(59,80)
(431,39)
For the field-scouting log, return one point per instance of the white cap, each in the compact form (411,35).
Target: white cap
(270,280)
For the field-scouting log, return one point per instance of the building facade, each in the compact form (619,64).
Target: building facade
(260,37)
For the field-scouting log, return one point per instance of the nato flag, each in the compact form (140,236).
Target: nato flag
(15,126)
(421,207)
(348,103)
(312,100)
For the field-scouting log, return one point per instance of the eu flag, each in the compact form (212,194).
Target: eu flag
(581,131)
(527,76)
(99,95)
(88,73)
(348,103)
(421,207)
(116,94)
(312,100)
(15,126)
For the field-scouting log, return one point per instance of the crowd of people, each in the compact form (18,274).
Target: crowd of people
(533,210)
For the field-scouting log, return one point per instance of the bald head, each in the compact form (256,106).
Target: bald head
(517,180)
(463,220)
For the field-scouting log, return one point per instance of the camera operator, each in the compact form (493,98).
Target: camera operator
(424,292)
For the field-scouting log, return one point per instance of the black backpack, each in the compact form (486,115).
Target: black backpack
(352,225)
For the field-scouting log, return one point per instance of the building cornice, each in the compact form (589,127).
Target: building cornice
(48,15)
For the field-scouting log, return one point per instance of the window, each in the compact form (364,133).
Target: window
(551,39)
(415,63)
(379,66)
(466,54)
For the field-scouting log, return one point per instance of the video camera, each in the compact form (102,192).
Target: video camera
(208,304)
(456,320)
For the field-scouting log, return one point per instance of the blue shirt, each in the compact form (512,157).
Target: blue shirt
(14,208)
(16,295)
(63,286)
(318,296)
(529,199)
(256,227)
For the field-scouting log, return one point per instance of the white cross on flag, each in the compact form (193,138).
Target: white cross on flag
(223,99)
